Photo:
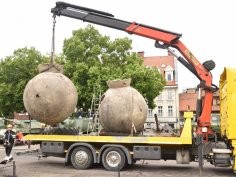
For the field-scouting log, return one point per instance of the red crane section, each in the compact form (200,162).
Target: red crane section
(163,39)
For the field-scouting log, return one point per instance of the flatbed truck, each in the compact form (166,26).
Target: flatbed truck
(115,152)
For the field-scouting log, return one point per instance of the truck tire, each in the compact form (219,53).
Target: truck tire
(113,159)
(81,158)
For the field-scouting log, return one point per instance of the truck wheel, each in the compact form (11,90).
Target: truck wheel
(81,158)
(113,159)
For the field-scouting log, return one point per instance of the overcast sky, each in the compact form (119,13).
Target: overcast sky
(208,27)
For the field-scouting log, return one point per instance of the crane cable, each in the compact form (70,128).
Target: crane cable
(53,41)
(52,66)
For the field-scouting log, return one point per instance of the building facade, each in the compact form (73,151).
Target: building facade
(167,103)
(188,101)
(170,104)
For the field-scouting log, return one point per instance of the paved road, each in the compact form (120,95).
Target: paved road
(30,166)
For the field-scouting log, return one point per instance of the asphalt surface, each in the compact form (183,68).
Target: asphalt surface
(31,166)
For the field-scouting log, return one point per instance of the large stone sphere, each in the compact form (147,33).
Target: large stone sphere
(50,97)
(122,107)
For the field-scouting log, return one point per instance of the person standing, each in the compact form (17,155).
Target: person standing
(9,140)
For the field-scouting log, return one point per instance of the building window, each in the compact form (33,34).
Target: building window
(169,95)
(215,119)
(160,111)
(169,75)
(170,110)
(150,113)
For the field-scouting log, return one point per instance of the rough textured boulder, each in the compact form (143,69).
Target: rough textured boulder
(122,107)
(50,97)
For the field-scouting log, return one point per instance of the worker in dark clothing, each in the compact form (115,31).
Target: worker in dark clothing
(9,140)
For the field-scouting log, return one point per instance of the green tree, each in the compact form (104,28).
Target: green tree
(91,59)
(15,72)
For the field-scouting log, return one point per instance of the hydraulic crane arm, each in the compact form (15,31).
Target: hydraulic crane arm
(163,39)
(168,38)
(108,20)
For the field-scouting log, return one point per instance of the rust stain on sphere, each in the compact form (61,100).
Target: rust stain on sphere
(121,107)
(50,97)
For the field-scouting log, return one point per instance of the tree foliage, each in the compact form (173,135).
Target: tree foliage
(91,59)
(15,72)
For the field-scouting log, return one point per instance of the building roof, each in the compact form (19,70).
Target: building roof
(162,63)
(159,61)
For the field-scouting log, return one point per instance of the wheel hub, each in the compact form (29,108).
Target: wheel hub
(81,157)
(113,158)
